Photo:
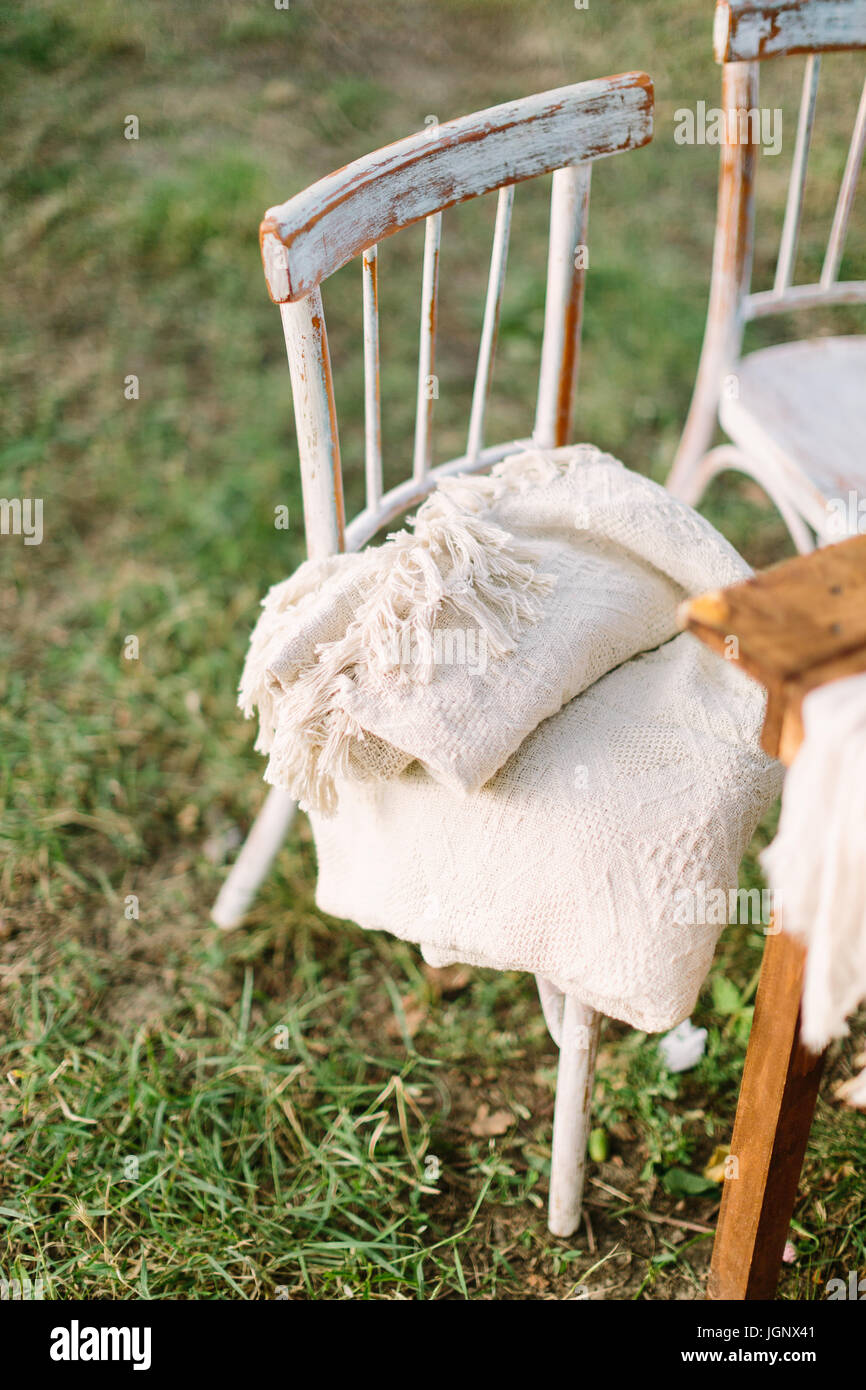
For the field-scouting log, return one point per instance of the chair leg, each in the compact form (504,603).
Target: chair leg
(771,1130)
(255,859)
(577,1050)
(685,480)
(730,457)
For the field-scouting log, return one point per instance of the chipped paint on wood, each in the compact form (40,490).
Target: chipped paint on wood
(333,221)
(372,403)
(563,310)
(746,29)
(801,466)
(490,326)
(316,423)
(275,259)
(731,275)
(766,302)
(423,452)
(578,1047)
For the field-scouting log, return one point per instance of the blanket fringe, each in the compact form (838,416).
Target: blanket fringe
(456,566)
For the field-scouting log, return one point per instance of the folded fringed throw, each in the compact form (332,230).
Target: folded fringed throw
(451,642)
(817,863)
(509,755)
(344,647)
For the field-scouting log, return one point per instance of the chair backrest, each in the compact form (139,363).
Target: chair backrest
(346,214)
(746,33)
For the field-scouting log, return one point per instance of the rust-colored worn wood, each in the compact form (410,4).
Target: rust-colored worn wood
(794,414)
(771,1131)
(307,238)
(793,628)
(747,29)
(563,306)
(731,277)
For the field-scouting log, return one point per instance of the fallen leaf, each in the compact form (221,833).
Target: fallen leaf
(187,817)
(681,1182)
(450,979)
(622,1131)
(488,1126)
(715,1167)
(414,1012)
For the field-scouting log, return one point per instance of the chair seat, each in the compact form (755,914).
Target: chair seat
(803,405)
(580,860)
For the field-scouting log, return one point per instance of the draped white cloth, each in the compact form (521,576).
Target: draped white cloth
(816,865)
(546,807)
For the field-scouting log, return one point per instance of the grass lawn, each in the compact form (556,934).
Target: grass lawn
(298,1108)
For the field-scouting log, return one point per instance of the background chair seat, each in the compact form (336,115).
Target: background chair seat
(804,405)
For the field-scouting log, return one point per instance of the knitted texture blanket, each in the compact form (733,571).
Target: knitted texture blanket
(449,644)
(816,865)
(508,755)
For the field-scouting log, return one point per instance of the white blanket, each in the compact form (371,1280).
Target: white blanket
(543,809)
(450,645)
(817,863)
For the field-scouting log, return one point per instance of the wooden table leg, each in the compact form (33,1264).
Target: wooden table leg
(771,1130)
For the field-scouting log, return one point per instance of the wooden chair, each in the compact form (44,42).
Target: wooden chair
(795,414)
(797,627)
(306,239)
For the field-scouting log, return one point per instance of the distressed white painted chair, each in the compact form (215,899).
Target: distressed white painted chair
(343,216)
(795,414)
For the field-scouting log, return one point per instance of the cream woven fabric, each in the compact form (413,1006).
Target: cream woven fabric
(538,809)
(515,592)
(568,862)
(817,863)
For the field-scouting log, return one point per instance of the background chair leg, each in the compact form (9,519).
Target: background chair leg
(771,1130)
(256,857)
(577,1049)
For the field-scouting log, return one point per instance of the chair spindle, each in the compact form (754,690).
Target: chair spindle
(796,187)
(490,328)
(427,348)
(839,230)
(372,402)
